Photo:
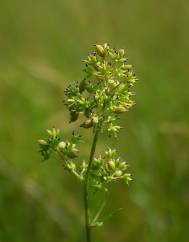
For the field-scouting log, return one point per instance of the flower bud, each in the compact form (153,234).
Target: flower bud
(127,177)
(72,154)
(74,116)
(61,145)
(120,109)
(95,119)
(118,173)
(121,52)
(93,58)
(127,67)
(110,166)
(110,153)
(100,50)
(84,165)
(106,46)
(121,87)
(87,124)
(42,142)
(53,132)
(96,164)
(75,150)
(123,165)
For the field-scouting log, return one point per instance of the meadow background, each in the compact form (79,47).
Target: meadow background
(42,45)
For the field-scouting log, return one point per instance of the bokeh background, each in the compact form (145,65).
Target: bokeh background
(42,45)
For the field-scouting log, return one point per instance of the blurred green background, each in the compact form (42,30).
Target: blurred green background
(42,45)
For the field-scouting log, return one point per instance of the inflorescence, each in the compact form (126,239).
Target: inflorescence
(100,97)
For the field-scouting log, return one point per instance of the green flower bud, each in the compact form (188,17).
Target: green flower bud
(42,142)
(106,46)
(121,87)
(72,154)
(121,52)
(95,119)
(127,67)
(93,59)
(110,166)
(123,166)
(120,109)
(118,173)
(61,145)
(127,177)
(96,164)
(110,153)
(100,50)
(53,132)
(75,150)
(84,165)
(87,124)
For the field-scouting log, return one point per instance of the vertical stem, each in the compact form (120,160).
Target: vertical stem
(86,195)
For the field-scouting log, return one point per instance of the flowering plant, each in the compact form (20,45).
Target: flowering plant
(100,97)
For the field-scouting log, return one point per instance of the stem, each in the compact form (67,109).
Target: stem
(86,195)
(99,212)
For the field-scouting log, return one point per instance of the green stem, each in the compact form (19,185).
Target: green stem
(86,195)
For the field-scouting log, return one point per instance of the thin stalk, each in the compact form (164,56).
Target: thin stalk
(86,195)
(99,213)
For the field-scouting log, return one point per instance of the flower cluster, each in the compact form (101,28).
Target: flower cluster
(108,168)
(102,95)
(105,169)
(65,150)
(50,145)
(105,91)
